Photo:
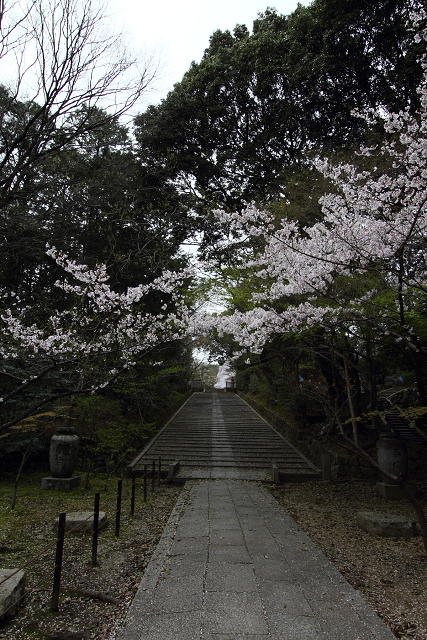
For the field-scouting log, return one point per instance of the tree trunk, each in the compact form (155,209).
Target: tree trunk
(350,404)
(372,383)
(25,457)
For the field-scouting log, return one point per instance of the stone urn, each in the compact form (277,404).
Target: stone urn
(63,452)
(392,455)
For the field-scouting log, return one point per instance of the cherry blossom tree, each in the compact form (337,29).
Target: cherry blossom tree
(90,342)
(360,270)
(362,266)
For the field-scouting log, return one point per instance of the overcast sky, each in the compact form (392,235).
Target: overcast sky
(177,31)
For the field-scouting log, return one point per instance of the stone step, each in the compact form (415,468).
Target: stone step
(218,452)
(401,427)
(220,462)
(218,431)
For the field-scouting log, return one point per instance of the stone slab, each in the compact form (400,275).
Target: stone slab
(173,596)
(263,577)
(196,547)
(10,591)
(184,566)
(227,536)
(283,597)
(386,524)
(60,484)
(302,628)
(226,576)
(82,521)
(172,626)
(227,612)
(232,553)
(236,636)
(392,491)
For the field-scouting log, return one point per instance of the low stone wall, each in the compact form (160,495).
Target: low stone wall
(343,466)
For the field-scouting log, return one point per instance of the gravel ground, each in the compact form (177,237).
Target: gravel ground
(391,573)
(121,563)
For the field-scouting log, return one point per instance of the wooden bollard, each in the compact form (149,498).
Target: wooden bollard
(58,562)
(119,507)
(95,531)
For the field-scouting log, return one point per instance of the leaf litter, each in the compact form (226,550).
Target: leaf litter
(121,563)
(391,573)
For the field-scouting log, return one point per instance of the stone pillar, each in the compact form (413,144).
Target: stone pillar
(392,457)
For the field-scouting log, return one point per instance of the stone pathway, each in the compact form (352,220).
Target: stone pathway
(232,564)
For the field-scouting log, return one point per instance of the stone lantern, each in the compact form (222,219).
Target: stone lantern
(64,448)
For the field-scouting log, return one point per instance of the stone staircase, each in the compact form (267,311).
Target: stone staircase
(401,427)
(218,435)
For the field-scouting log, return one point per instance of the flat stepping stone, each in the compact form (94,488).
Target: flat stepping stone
(386,524)
(10,591)
(82,521)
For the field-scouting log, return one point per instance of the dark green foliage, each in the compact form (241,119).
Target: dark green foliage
(116,424)
(258,103)
(95,205)
(107,433)
(113,424)
(92,202)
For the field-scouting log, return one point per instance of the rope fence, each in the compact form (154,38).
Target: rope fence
(122,492)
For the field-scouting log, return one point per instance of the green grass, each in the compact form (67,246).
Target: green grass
(32,525)
(27,531)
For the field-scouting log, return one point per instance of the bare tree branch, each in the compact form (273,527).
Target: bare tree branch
(64,61)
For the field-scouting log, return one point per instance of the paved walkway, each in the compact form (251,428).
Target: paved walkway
(232,564)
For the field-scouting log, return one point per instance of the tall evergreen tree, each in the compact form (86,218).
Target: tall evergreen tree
(261,101)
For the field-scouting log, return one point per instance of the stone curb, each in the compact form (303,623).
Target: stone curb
(132,627)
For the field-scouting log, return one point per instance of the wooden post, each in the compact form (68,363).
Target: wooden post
(95,531)
(132,499)
(145,483)
(58,562)
(160,471)
(327,467)
(119,506)
(153,474)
